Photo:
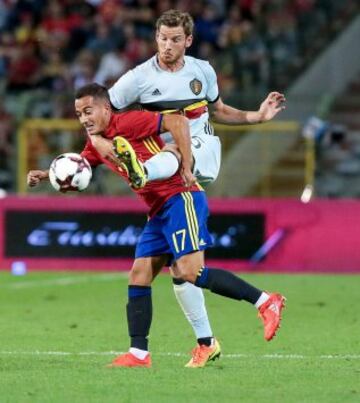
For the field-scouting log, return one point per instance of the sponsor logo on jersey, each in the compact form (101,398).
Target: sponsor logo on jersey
(156,92)
(196,86)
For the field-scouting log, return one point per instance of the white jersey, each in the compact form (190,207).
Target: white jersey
(156,89)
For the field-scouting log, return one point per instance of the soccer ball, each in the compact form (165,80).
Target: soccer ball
(70,171)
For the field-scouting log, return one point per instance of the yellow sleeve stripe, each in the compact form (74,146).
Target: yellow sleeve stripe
(191,219)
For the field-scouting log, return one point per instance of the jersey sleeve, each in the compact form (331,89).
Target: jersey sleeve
(140,124)
(212,94)
(125,91)
(91,155)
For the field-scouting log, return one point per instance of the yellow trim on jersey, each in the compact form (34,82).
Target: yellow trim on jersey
(196,105)
(199,186)
(191,219)
(190,107)
(154,143)
(151,145)
(167,111)
(148,147)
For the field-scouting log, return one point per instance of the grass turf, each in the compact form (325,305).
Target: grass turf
(57,332)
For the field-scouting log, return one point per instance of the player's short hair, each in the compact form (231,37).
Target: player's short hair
(93,90)
(176,18)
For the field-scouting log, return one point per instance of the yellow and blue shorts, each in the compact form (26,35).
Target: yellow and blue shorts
(178,229)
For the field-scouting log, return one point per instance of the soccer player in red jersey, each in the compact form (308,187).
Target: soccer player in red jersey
(175,232)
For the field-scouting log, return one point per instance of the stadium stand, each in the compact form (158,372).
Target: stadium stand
(50,47)
(338,150)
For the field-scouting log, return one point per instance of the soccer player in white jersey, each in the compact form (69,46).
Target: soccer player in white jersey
(172,82)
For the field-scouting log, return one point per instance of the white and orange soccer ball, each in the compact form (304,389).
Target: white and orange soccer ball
(70,171)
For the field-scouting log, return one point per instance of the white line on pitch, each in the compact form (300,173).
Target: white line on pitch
(64,281)
(175,354)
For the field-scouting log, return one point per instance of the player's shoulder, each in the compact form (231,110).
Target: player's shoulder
(199,63)
(202,66)
(126,116)
(133,117)
(149,64)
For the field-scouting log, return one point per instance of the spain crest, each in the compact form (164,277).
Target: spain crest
(196,86)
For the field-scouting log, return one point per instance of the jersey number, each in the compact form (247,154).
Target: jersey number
(179,236)
(196,141)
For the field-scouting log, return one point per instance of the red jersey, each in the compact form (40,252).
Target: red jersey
(141,129)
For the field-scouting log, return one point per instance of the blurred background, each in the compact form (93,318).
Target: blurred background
(308,49)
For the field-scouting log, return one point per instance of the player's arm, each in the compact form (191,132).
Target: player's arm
(270,107)
(36,176)
(179,128)
(104,147)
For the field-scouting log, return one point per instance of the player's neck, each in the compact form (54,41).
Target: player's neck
(172,67)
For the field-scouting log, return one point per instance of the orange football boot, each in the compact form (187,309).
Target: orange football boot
(270,314)
(129,360)
(201,355)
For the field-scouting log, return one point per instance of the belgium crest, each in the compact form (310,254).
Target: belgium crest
(196,86)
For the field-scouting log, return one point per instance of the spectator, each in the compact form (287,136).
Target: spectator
(112,66)
(6,149)
(24,68)
(207,26)
(55,75)
(56,44)
(249,55)
(103,41)
(82,70)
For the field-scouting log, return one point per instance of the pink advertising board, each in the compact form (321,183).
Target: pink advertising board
(94,233)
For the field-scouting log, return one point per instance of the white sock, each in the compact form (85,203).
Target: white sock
(192,302)
(140,354)
(263,298)
(161,166)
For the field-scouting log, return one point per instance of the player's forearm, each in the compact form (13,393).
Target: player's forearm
(44,175)
(179,128)
(232,116)
(181,134)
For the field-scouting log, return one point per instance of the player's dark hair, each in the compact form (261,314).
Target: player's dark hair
(176,18)
(93,90)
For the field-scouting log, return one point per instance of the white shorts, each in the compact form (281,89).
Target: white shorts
(207,155)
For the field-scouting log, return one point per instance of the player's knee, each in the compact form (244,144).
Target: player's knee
(137,276)
(186,271)
(172,148)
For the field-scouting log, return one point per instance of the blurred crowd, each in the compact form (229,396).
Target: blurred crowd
(50,47)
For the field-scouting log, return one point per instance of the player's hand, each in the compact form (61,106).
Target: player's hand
(35,177)
(271,106)
(188,177)
(105,148)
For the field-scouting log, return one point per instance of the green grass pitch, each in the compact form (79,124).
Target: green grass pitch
(59,330)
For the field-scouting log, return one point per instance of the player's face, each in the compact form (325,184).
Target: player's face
(172,43)
(94,114)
